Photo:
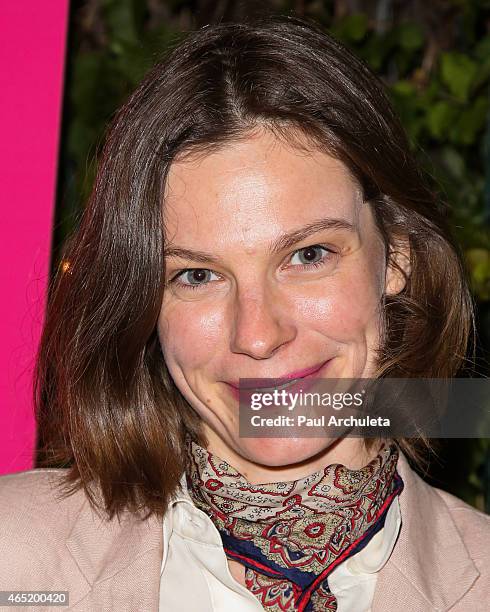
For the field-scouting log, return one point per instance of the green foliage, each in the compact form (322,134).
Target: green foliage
(101,74)
(458,73)
(445,110)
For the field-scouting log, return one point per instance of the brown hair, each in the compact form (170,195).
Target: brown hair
(107,407)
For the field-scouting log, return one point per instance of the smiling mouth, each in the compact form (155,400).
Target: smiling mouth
(283,382)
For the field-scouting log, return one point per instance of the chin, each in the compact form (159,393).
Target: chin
(280,452)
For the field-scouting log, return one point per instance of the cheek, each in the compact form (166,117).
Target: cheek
(342,307)
(189,334)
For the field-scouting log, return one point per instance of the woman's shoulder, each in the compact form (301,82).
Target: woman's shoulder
(434,514)
(31,503)
(427,494)
(36,524)
(441,559)
(53,541)
(472,524)
(42,483)
(9,483)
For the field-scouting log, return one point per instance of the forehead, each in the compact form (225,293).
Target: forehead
(258,187)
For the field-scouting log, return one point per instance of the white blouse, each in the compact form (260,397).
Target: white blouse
(195,576)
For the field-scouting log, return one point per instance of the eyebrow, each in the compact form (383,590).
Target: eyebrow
(279,244)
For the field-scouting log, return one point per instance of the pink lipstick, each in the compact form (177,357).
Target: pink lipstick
(256,383)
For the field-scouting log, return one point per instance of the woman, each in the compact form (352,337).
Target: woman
(256,214)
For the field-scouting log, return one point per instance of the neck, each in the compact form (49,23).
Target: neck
(350,452)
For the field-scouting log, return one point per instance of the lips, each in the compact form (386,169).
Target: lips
(278,382)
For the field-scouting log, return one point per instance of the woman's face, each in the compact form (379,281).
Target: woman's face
(274,265)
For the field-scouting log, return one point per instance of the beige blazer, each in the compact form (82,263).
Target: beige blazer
(440,562)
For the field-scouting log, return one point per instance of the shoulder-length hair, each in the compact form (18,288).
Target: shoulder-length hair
(106,405)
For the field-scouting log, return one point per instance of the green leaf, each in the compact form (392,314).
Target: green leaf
(410,36)
(440,117)
(120,18)
(354,27)
(458,73)
(479,265)
(470,122)
(132,62)
(404,88)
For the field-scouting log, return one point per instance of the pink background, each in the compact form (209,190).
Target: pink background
(32,43)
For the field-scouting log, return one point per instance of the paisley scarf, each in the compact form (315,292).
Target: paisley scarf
(291,535)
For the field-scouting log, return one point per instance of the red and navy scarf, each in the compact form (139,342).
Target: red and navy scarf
(291,535)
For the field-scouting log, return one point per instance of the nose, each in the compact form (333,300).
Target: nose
(260,325)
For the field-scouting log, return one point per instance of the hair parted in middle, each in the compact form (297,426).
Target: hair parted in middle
(107,407)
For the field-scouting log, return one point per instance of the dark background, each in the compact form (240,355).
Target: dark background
(433,56)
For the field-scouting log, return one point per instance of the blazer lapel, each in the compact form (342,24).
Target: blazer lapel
(430,568)
(120,561)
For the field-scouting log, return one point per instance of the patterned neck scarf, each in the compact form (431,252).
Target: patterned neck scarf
(291,535)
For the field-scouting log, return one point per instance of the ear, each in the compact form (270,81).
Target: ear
(399,268)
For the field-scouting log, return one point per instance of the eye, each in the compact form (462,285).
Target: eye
(314,255)
(193,278)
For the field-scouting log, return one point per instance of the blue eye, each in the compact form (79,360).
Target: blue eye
(309,257)
(312,256)
(195,277)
